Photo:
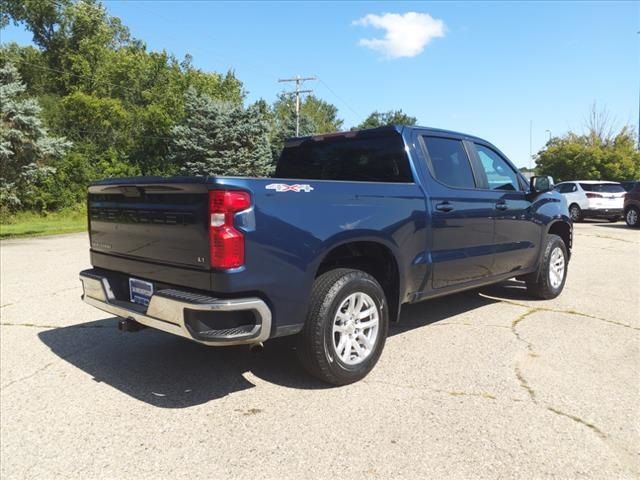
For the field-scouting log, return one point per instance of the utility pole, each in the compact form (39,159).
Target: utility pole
(299,81)
(531,144)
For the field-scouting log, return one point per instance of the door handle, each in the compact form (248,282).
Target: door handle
(444,207)
(502,205)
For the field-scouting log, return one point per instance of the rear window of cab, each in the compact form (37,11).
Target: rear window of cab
(365,158)
(602,187)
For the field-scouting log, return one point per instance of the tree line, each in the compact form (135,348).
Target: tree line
(87,100)
(601,152)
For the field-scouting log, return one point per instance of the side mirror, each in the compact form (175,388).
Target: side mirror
(541,183)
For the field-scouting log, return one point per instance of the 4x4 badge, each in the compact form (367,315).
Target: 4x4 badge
(283,187)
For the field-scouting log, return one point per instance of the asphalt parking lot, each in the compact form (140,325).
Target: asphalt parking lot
(486,384)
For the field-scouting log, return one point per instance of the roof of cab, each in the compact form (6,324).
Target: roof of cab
(386,128)
(588,182)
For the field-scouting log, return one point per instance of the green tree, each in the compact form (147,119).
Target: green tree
(75,38)
(41,17)
(392,117)
(102,88)
(27,152)
(221,138)
(600,153)
(30,65)
(316,117)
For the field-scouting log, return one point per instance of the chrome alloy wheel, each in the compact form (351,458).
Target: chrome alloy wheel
(632,217)
(556,267)
(575,213)
(355,328)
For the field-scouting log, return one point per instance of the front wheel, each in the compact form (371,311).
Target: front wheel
(346,326)
(549,280)
(632,217)
(575,213)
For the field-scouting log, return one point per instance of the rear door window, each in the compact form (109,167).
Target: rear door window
(566,188)
(500,175)
(602,187)
(449,162)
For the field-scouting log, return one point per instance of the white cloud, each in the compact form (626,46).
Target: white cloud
(406,34)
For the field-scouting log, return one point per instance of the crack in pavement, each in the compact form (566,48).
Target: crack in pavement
(517,370)
(34,325)
(525,384)
(558,310)
(608,237)
(599,432)
(515,323)
(627,457)
(620,451)
(466,324)
(452,393)
(77,287)
(455,393)
(50,294)
(45,367)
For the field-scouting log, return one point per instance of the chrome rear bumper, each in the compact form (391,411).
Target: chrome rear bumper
(167,312)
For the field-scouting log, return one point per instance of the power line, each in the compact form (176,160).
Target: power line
(217,54)
(339,97)
(297,92)
(88,131)
(79,75)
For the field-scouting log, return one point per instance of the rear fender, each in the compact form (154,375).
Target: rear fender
(345,238)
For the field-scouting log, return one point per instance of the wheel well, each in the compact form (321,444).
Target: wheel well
(563,230)
(373,258)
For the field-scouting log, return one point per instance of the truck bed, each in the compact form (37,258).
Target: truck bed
(156,229)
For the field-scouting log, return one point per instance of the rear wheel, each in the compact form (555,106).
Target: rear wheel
(550,278)
(632,217)
(346,327)
(575,212)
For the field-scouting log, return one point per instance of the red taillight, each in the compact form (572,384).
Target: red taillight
(593,195)
(225,242)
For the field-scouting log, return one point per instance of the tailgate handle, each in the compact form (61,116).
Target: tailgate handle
(130,191)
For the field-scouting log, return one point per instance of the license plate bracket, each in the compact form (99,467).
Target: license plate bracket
(140,291)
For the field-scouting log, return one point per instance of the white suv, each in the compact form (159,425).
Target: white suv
(593,199)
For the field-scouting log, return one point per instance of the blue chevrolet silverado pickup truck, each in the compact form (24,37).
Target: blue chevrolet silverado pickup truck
(352,226)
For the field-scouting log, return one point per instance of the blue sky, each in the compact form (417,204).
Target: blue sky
(487,68)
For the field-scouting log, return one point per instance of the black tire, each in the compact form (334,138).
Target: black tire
(315,347)
(632,217)
(539,283)
(575,212)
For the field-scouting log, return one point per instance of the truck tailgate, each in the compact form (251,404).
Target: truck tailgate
(159,220)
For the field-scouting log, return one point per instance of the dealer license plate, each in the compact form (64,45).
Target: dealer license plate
(140,291)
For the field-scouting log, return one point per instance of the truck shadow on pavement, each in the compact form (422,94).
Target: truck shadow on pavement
(170,372)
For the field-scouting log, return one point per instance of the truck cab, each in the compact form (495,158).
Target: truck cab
(352,226)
